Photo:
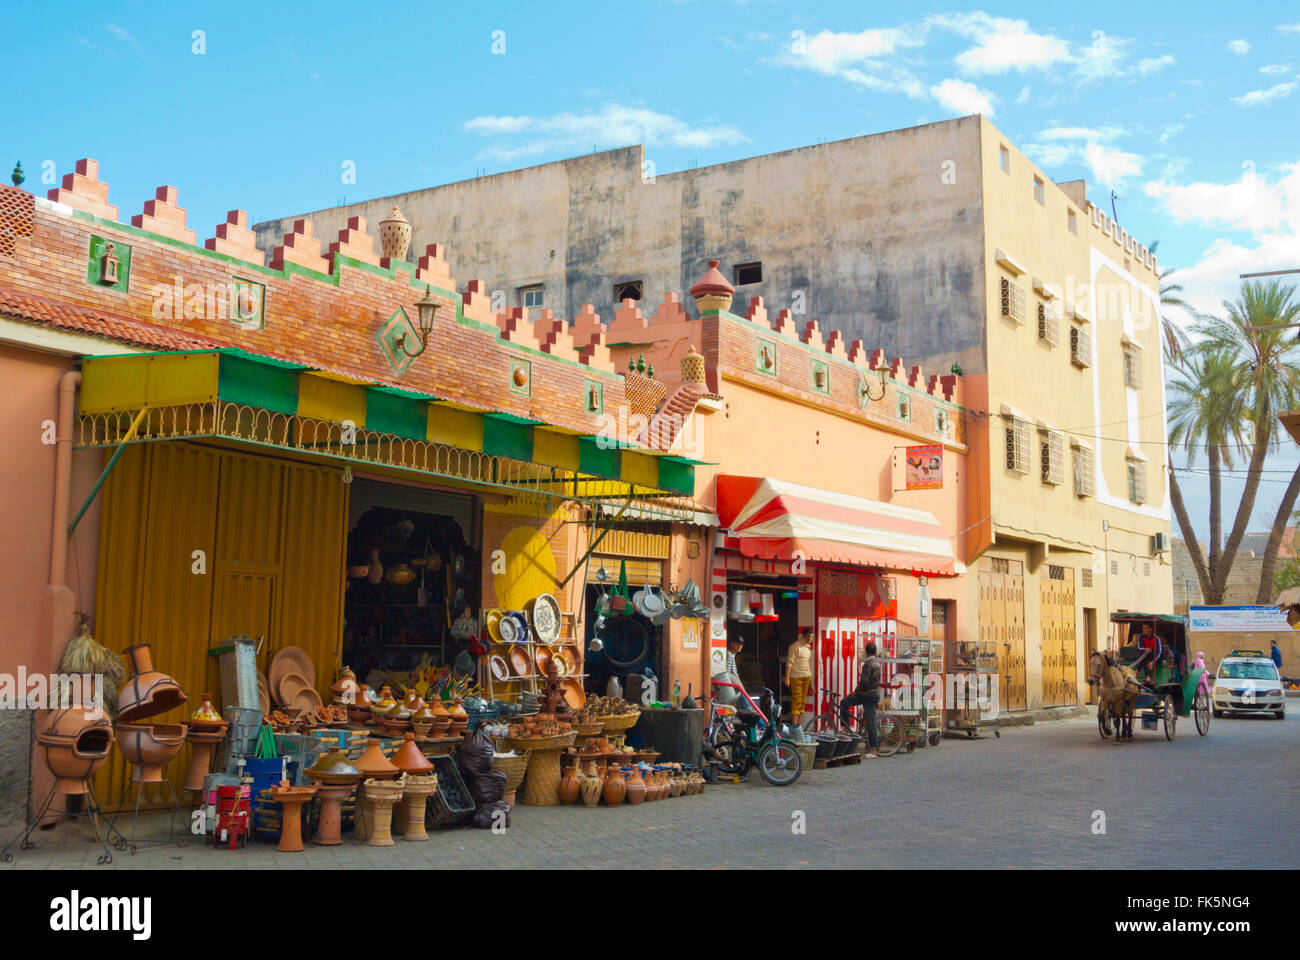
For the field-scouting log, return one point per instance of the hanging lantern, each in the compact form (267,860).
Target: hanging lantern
(739,607)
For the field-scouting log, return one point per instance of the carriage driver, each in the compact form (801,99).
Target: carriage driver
(1152,649)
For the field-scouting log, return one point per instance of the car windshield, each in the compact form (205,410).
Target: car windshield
(1248,671)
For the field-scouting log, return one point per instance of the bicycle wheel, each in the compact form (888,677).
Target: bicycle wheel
(733,758)
(891,734)
(779,763)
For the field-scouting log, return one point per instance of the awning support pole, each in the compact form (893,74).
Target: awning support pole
(608,526)
(108,468)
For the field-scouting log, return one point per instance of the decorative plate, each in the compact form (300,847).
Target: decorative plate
(519,661)
(508,628)
(500,670)
(545,612)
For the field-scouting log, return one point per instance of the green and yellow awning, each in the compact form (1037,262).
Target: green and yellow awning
(232,394)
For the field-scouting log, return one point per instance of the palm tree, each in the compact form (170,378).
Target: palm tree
(1265,382)
(1171,297)
(1205,413)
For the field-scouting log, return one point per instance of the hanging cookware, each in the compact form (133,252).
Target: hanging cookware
(767,610)
(651,604)
(738,608)
(638,598)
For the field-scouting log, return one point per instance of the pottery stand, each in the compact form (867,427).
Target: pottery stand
(415,799)
(291,800)
(542,778)
(330,831)
(201,761)
(174,812)
(90,810)
(379,797)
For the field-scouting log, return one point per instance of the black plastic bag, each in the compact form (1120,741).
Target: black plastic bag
(474,756)
(490,814)
(488,788)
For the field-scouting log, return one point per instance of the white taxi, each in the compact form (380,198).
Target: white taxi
(1248,681)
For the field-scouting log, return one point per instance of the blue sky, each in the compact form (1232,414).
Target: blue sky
(1187,111)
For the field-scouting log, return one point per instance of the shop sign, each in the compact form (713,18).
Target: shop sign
(1236,619)
(691,634)
(925,467)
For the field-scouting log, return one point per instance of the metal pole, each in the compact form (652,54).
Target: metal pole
(108,468)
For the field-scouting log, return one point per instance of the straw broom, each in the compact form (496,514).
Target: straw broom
(84,654)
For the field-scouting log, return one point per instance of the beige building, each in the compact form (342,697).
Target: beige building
(941,242)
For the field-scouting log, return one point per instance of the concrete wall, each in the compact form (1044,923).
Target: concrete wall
(879,234)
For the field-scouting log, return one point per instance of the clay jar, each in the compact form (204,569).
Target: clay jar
(570,789)
(590,789)
(615,787)
(409,759)
(636,788)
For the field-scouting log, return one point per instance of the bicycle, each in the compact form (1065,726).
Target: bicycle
(735,749)
(889,729)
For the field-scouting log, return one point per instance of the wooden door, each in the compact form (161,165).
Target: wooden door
(1056,616)
(1002,622)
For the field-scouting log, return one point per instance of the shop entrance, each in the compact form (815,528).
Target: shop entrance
(413,570)
(762,662)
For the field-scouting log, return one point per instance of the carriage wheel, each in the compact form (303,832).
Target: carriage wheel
(1103,721)
(1201,707)
(1171,718)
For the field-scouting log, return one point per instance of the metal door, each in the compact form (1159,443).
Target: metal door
(1002,622)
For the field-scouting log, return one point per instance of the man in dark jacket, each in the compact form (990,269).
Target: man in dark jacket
(867,694)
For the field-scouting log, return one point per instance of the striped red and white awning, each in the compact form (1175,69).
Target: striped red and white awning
(775,519)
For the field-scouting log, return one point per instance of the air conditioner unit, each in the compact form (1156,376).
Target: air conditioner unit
(1159,544)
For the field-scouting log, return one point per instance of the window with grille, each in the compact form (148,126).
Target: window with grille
(1137,481)
(1114,568)
(1085,577)
(941,422)
(1146,569)
(1017,444)
(1013,301)
(628,290)
(1132,366)
(1048,325)
(1080,346)
(1055,571)
(1084,472)
(1052,457)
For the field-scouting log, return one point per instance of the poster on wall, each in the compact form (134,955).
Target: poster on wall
(925,467)
(1236,619)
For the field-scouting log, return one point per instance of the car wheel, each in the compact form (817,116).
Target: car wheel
(1279,714)
(1218,713)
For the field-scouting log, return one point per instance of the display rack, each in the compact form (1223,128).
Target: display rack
(908,656)
(512,686)
(971,661)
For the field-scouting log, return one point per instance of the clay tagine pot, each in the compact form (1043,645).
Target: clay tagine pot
(384,702)
(334,767)
(76,743)
(345,684)
(414,702)
(206,719)
(408,758)
(374,765)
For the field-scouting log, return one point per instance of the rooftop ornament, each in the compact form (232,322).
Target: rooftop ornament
(428,309)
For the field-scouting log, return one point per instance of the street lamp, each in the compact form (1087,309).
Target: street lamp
(427,308)
(864,386)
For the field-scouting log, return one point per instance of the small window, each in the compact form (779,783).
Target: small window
(1114,568)
(941,421)
(630,290)
(1085,469)
(1048,326)
(531,297)
(1080,346)
(1004,158)
(1040,190)
(1085,577)
(1146,569)
(1052,458)
(747,273)
(1132,366)
(904,407)
(1012,297)
(1017,444)
(1137,481)
(1072,221)
(1055,571)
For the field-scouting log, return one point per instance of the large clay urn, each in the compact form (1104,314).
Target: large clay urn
(76,743)
(570,789)
(395,235)
(615,787)
(409,759)
(636,788)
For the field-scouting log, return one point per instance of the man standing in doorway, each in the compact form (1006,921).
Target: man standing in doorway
(798,672)
(867,694)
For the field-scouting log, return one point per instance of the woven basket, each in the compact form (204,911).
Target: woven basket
(513,768)
(618,724)
(807,753)
(541,786)
(588,729)
(544,743)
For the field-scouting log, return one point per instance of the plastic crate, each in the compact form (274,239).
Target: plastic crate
(451,802)
(301,751)
(477,717)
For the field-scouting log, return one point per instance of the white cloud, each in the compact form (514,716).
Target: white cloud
(1022,97)
(1102,58)
(1110,166)
(614,125)
(1169,132)
(1275,69)
(1150,65)
(861,58)
(1256,97)
(1051,154)
(1239,47)
(1081,133)
(963,98)
(1001,44)
(1289,27)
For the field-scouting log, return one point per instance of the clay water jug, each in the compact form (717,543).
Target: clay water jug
(615,787)
(591,788)
(569,788)
(636,788)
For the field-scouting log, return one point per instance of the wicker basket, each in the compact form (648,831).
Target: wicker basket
(588,729)
(542,743)
(617,724)
(807,753)
(513,768)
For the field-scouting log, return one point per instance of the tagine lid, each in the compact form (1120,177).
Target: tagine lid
(334,767)
(373,764)
(409,759)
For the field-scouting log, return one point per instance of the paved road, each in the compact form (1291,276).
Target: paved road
(1026,800)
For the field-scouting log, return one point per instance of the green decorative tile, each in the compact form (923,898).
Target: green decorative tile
(100,248)
(593,396)
(247,304)
(390,335)
(819,376)
(521,377)
(765,357)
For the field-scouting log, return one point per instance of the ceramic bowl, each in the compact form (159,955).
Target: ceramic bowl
(508,629)
(542,658)
(519,660)
(500,670)
(494,626)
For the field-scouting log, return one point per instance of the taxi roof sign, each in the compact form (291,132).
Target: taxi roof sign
(1247,653)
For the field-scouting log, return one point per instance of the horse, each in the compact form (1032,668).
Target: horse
(1118,694)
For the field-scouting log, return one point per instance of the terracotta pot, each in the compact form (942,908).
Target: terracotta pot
(636,788)
(570,789)
(442,727)
(458,727)
(149,746)
(346,683)
(334,768)
(439,709)
(359,713)
(590,788)
(615,787)
(206,716)
(374,765)
(409,759)
(365,696)
(76,744)
(422,728)
(395,235)
(148,692)
(384,701)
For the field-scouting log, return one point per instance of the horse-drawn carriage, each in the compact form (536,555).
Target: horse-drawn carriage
(1163,688)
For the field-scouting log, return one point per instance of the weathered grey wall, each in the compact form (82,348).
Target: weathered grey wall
(15,767)
(880,245)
